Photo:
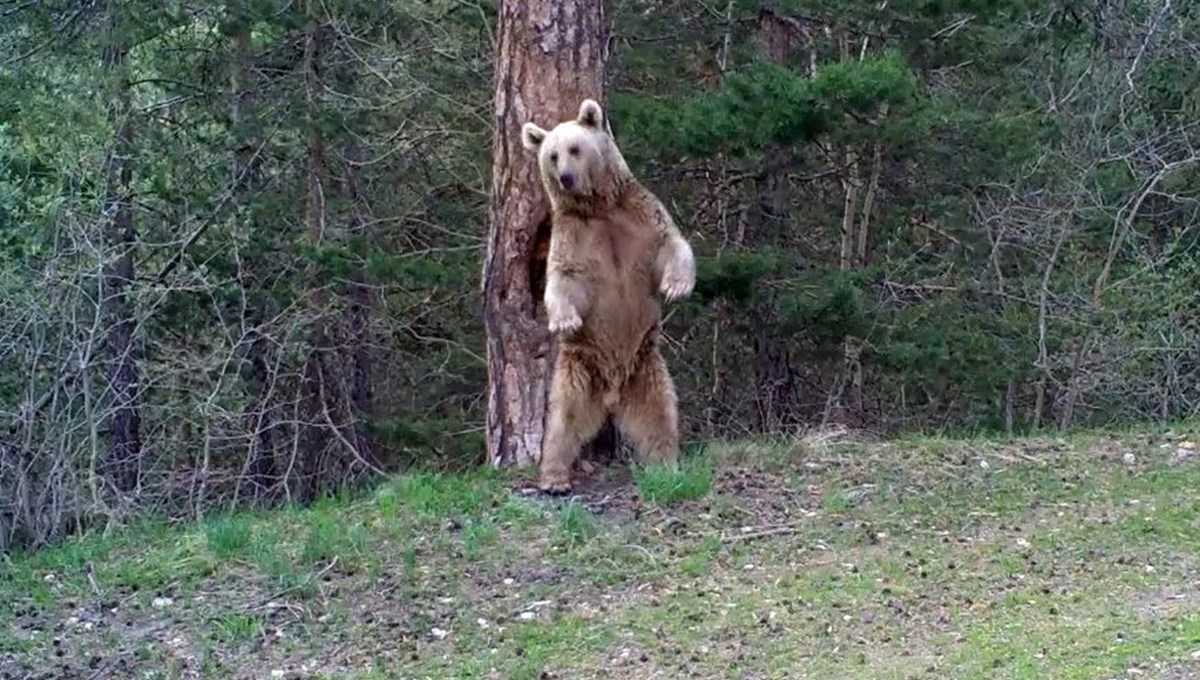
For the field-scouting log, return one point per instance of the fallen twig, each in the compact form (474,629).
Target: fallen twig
(761,532)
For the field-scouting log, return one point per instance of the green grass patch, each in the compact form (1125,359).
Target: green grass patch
(229,536)
(940,558)
(664,486)
(576,526)
(238,629)
(331,536)
(477,536)
(439,495)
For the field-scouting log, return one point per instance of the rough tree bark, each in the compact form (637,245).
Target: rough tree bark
(122,464)
(550,55)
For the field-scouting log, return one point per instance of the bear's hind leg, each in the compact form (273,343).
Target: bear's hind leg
(647,413)
(575,416)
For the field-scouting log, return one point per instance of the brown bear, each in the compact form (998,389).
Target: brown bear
(612,246)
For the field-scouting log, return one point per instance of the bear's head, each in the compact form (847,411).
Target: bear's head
(579,162)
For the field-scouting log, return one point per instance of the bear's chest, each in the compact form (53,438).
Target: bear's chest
(618,249)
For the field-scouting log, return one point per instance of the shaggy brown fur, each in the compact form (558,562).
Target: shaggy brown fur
(612,247)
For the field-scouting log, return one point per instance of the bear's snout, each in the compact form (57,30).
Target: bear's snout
(567,180)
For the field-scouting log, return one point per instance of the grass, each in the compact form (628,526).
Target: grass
(575,524)
(662,485)
(815,558)
(228,537)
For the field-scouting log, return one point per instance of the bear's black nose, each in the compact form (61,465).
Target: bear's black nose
(567,180)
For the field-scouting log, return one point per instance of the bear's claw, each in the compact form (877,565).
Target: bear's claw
(566,323)
(675,286)
(555,487)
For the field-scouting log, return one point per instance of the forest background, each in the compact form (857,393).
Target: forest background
(241,243)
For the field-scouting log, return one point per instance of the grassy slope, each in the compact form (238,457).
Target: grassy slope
(911,559)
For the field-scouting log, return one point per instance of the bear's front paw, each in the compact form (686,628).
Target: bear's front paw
(677,281)
(565,321)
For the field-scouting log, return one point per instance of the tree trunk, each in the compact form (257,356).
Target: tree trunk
(361,301)
(314,435)
(330,396)
(122,465)
(778,36)
(847,402)
(260,474)
(550,56)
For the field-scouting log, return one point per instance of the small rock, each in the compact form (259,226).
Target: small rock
(160,602)
(439,633)
(509,581)
(1129,458)
(526,616)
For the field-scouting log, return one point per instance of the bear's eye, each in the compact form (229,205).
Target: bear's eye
(574,151)
(554,157)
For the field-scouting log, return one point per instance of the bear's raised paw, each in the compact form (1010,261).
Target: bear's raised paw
(676,283)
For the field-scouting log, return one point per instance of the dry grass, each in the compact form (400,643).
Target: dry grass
(822,557)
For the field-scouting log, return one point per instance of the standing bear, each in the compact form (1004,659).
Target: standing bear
(612,247)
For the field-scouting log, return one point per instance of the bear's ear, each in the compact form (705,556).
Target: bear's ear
(532,136)
(591,115)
